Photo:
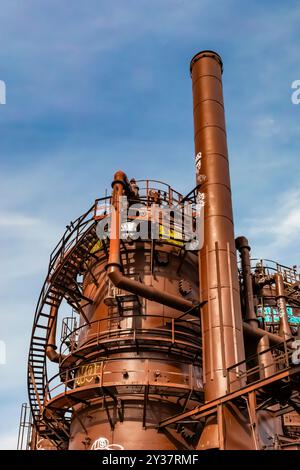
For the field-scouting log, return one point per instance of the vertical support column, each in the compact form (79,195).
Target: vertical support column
(221,427)
(251,404)
(265,358)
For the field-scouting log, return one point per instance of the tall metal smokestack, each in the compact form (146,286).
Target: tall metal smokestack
(222,333)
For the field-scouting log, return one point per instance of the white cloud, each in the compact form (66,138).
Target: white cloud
(274,231)
(265,127)
(15,220)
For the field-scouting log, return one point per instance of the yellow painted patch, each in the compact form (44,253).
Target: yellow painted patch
(96,247)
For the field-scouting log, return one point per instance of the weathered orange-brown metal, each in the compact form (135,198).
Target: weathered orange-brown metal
(243,247)
(114,267)
(142,378)
(222,331)
(284,327)
(142,371)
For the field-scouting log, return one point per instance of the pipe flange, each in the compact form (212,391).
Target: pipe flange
(109,265)
(242,242)
(212,54)
(123,183)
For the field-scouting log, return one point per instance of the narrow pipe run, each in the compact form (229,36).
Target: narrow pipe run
(242,245)
(265,358)
(284,327)
(258,333)
(51,344)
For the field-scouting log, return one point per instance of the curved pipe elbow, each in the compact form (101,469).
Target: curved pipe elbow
(52,354)
(148,292)
(258,333)
(51,347)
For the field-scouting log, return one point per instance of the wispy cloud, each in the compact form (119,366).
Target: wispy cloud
(274,231)
(16,220)
(265,127)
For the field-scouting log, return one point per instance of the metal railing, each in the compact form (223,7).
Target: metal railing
(75,231)
(157,191)
(150,191)
(105,329)
(68,327)
(71,236)
(25,428)
(281,360)
(268,267)
(97,374)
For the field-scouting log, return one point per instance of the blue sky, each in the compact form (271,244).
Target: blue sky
(97,86)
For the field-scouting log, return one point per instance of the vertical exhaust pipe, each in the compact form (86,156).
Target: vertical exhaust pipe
(221,320)
(265,358)
(222,331)
(284,327)
(242,245)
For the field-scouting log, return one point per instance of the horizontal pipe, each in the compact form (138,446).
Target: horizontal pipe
(259,333)
(148,292)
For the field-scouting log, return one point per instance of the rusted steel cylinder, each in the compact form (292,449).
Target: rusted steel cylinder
(222,332)
(284,327)
(242,245)
(265,358)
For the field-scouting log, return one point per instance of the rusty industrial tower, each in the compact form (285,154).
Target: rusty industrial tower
(164,347)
